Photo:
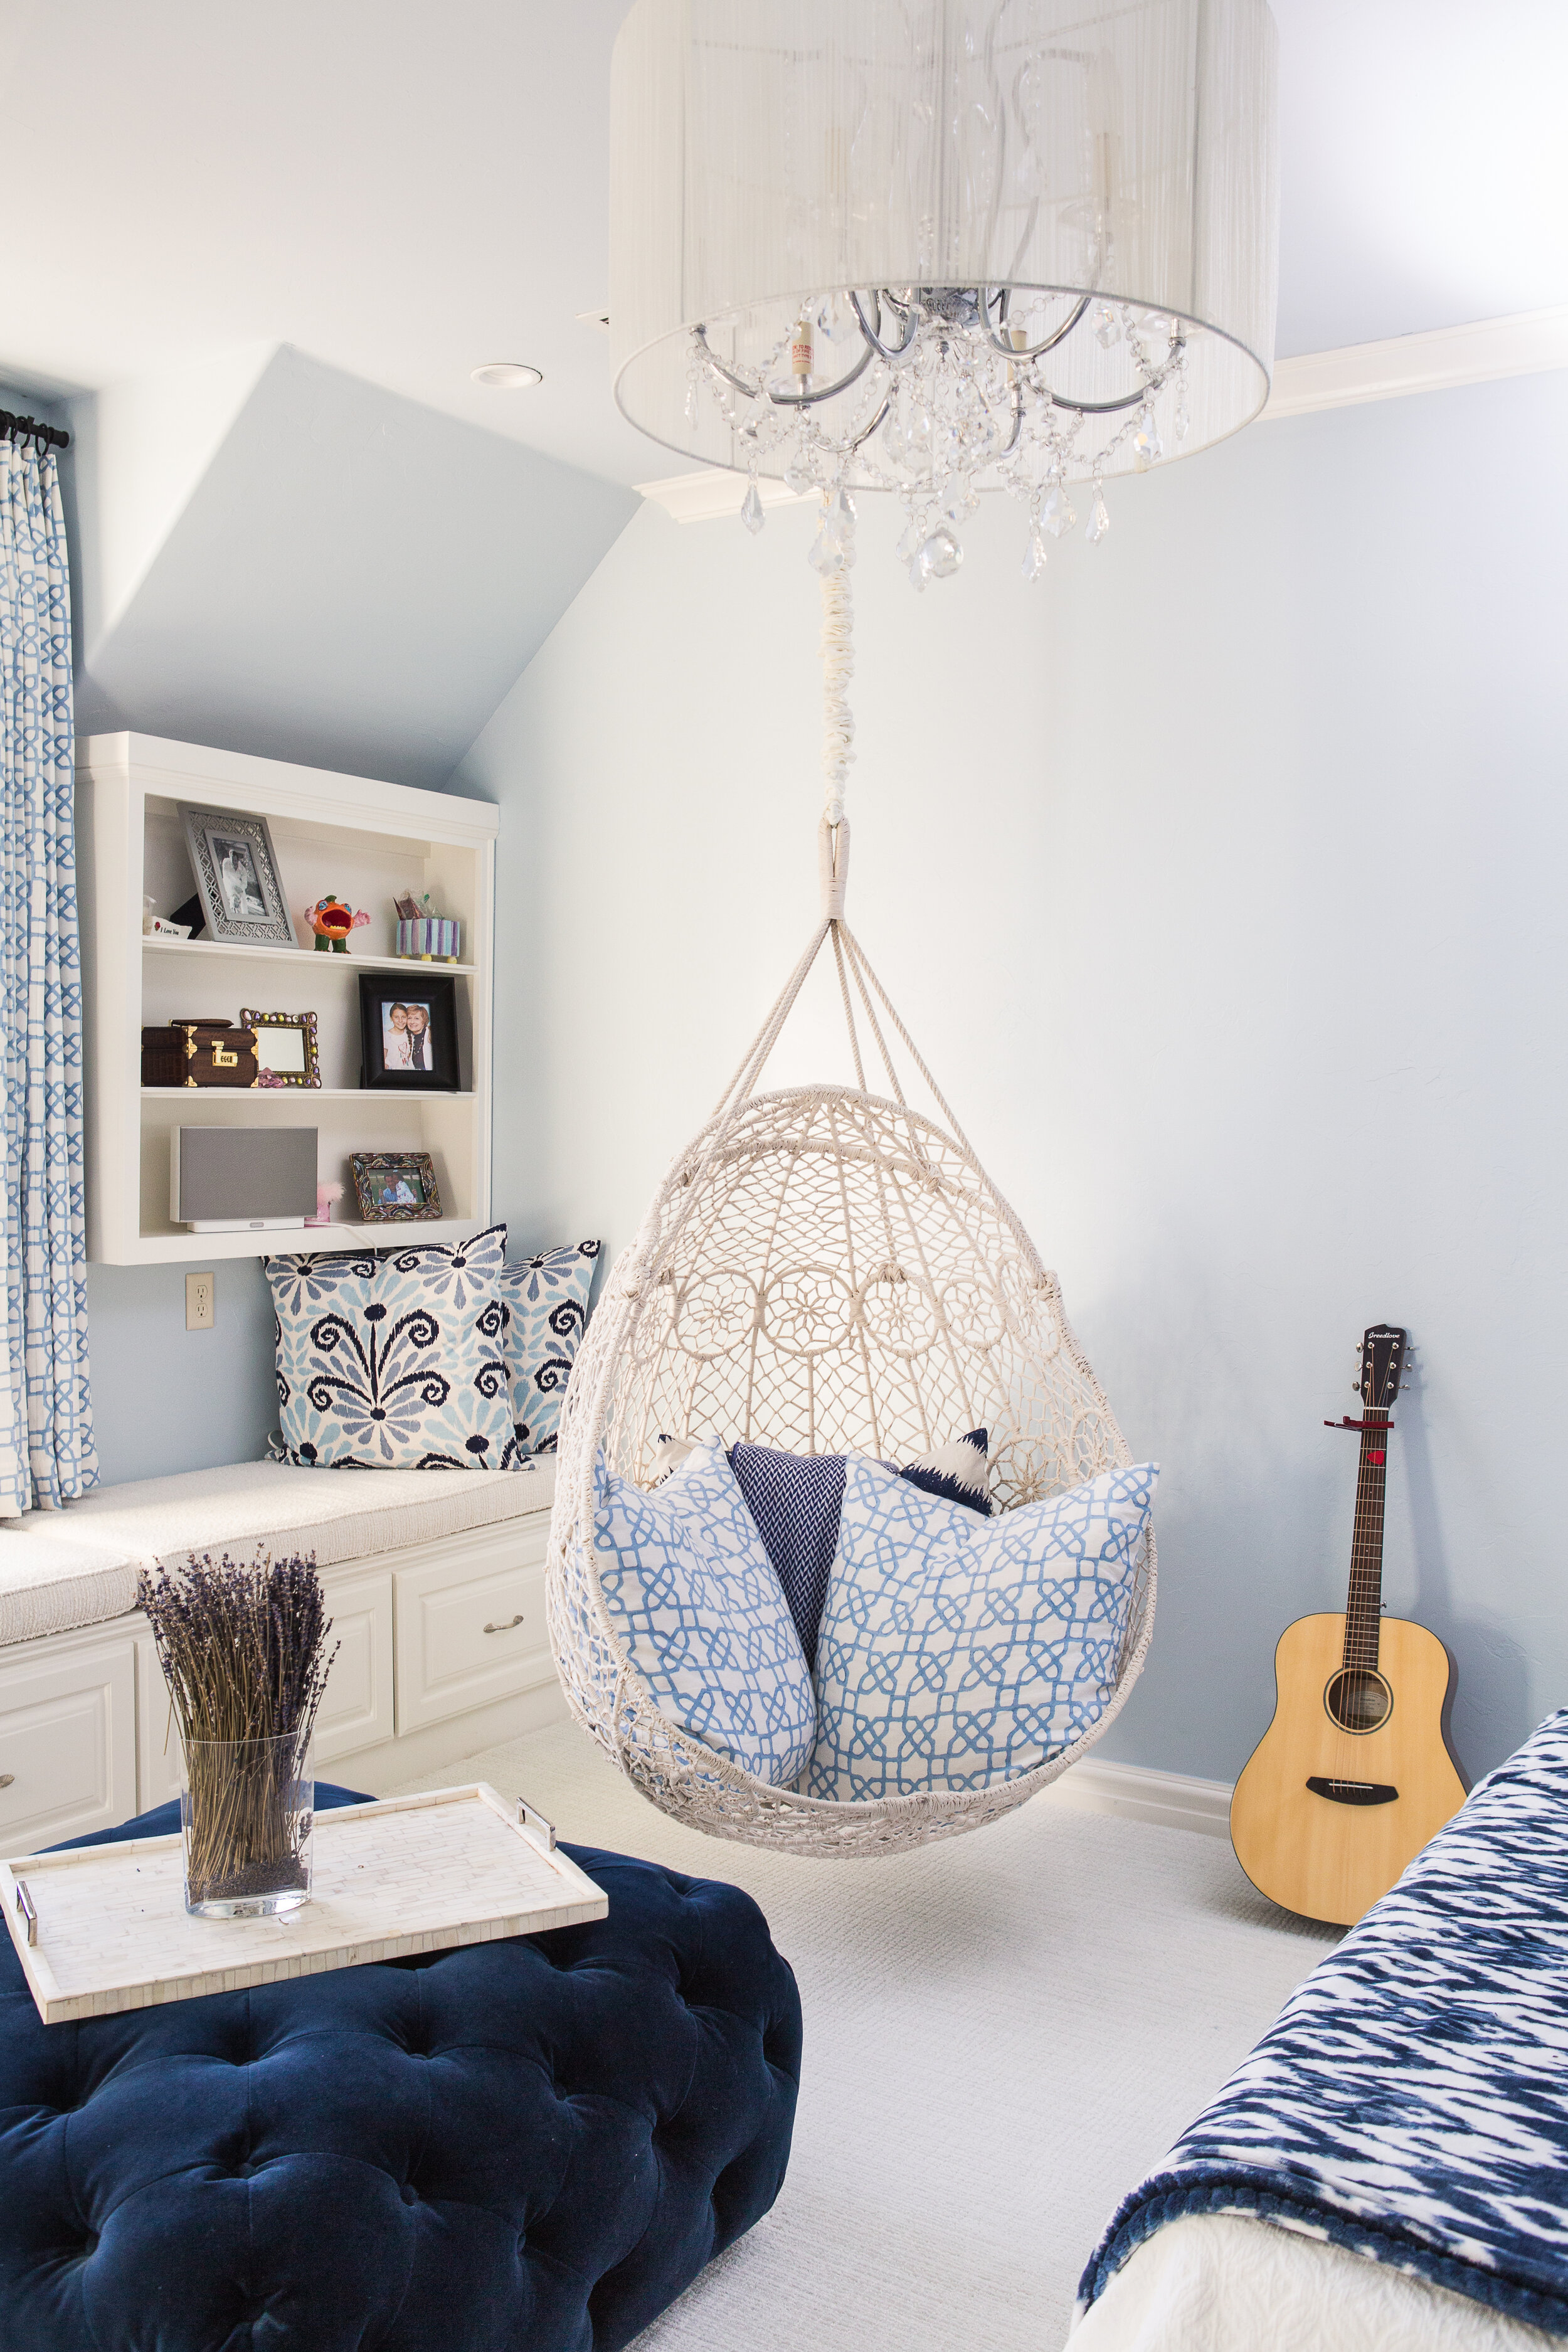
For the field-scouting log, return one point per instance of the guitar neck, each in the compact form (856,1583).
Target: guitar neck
(1364,1601)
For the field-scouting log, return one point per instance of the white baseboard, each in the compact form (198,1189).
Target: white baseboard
(1171,1800)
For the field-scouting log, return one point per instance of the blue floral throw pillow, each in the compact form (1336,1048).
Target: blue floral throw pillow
(957,1651)
(393,1360)
(694,1596)
(546,1304)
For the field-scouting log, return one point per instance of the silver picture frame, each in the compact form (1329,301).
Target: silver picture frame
(238,879)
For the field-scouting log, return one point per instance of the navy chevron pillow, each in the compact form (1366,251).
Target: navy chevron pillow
(795,1499)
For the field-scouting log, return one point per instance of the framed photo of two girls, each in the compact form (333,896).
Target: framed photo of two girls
(408,1031)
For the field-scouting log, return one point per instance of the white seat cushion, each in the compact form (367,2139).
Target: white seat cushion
(75,1567)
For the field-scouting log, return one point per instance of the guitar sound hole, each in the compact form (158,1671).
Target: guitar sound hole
(1358,1699)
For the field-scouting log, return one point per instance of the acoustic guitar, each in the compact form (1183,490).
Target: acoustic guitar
(1354,1774)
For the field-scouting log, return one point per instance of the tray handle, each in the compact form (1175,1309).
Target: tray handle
(29,1909)
(534,1825)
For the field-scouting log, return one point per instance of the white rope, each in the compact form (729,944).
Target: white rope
(837,669)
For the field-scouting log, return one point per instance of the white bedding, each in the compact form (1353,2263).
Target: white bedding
(1223,2283)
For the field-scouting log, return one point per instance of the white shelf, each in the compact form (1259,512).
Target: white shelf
(368,842)
(296,956)
(255,1096)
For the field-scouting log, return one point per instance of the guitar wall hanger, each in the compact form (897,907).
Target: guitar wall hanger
(1345,1422)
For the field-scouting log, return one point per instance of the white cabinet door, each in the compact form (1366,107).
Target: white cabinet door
(357,1710)
(68,1741)
(157,1734)
(470,1623)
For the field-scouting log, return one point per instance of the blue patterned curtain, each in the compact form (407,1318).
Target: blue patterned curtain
(47,1451)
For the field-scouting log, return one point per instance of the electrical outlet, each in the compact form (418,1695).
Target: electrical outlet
(199,1302)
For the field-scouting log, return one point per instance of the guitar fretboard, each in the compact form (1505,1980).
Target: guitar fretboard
(1363,1602)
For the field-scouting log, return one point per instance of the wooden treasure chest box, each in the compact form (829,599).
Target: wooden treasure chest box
(199,1053)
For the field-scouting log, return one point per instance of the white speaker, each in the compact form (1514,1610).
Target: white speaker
(235,1180)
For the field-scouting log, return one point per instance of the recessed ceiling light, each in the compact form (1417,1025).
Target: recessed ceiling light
(507,376)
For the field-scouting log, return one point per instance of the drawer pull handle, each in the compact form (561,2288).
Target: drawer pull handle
(508,1626)
(7,1778)
(28,1909)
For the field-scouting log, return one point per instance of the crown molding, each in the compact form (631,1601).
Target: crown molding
(1488,348)
(1525,344)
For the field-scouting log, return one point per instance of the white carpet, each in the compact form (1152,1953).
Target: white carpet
(1002,2034)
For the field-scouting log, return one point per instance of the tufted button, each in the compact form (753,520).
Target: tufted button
(409,2194)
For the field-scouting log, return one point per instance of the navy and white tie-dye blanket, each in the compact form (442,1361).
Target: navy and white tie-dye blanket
(1411,2102)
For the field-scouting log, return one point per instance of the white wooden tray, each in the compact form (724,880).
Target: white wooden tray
(110,1931)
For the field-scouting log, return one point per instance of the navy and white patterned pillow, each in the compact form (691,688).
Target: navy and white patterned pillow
(956,1650)
(546,1304)
(794,1500)
(694,1596)
(392,1360)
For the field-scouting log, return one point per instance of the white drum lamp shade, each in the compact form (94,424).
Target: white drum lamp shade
(1091,183)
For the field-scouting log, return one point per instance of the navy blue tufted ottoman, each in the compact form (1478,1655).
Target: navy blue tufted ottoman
(521,2146)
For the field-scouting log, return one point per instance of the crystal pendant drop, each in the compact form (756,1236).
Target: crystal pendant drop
(1034,562)
(1146,449)
(797,476)
(1057,514)
(910,541)
(940,555)
(1107,327)
(1184,416)
(955,506)
(752,513)
(826,555)
(844,516)
(1099,519)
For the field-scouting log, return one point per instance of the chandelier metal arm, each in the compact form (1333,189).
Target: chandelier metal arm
(1033,351)
(779,399)
(892,353)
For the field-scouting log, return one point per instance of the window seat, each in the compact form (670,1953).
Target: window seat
(62,1570)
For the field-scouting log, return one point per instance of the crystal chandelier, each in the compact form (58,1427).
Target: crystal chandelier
(937,247)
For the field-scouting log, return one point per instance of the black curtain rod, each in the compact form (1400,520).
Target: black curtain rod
(21,428)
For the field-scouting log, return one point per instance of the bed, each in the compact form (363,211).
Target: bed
(1389,2167)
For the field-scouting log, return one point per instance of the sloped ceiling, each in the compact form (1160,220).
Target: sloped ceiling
(351,579)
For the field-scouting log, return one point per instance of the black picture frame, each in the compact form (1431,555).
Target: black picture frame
(382,997)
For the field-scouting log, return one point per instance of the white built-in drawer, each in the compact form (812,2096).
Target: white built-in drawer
(356,1710)
(470,1624)
(68,1739)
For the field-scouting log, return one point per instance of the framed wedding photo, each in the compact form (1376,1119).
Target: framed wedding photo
(237,880)
(408,1031)
(395,1187)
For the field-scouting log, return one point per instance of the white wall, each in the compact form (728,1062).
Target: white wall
(1222,879)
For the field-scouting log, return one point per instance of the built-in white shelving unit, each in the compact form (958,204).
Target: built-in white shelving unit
(365,842)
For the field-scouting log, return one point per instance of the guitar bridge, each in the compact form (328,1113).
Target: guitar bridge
(1352,1792)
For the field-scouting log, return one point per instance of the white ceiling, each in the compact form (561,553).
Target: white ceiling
(404,191)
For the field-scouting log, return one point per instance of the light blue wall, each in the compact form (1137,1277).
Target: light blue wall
(354,581)
(1222,879)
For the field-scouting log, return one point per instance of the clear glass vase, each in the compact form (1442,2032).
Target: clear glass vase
(246,1811)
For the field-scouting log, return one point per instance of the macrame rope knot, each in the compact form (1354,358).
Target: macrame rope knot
(837,669)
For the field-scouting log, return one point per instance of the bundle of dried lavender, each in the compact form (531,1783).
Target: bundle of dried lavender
(244,1654)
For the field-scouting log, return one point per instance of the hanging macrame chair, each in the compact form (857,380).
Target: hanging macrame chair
(825,1269)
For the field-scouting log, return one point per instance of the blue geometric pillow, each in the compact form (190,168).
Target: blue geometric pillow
(685,1577)
(795,1499)
(546,1303)
(392,1361)
(958,1651)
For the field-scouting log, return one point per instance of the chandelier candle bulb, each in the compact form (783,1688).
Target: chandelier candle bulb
(1038,240)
